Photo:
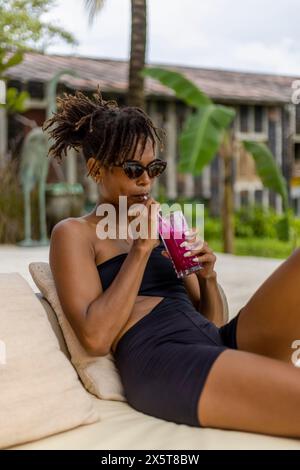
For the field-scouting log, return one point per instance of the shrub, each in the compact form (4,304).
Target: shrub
(212,228)
(12,206)
(255,221)
(256,247)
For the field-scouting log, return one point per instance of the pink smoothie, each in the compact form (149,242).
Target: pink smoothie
(173,235)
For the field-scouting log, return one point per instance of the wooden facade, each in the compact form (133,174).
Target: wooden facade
(264,113)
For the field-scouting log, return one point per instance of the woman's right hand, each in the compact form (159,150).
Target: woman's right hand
(147,238)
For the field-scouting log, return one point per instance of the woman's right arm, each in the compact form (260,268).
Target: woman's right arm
(96,316)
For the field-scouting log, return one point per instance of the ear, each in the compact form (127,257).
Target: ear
(90,163)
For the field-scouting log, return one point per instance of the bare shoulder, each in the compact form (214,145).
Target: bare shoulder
(71,232)
(71,223)
(72,262)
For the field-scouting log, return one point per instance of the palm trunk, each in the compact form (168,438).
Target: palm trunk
(137,54)
(226,152)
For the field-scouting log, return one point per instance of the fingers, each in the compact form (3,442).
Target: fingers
(192,237)
(197,246)
(200,250)
(193,245)
(191,232)
(206,258)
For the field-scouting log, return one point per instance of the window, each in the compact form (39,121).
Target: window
(296,164)
(297,119)
(244,198)
(258,197)
(244,118)
(253,119)
(297,153)
(258,118)
(36,90)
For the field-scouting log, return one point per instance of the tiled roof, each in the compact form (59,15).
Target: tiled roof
(111,75)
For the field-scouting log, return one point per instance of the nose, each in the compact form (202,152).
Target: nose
(144,179)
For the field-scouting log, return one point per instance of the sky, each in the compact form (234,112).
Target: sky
(245,35)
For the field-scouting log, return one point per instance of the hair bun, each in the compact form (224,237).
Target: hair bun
(73,119)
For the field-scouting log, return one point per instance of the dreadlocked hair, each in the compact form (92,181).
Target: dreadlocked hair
(100,128)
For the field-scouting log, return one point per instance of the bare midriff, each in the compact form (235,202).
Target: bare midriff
(143,306)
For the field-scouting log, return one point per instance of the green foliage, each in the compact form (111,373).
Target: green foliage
(9,60)
(12,206)
(295,226)
(255,221)
(263,247)
(257,247)
(258,232)
(15,100)
(212,228)
(202,136)
(203,131)
(22,26)
(185,90)
(162,194)
(283,228)
(268,170)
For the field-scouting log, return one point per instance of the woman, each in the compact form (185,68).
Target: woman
(176,358)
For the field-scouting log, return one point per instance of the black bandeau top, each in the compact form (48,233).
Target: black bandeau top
(159,277)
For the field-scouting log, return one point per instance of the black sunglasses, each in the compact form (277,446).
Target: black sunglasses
(134,169)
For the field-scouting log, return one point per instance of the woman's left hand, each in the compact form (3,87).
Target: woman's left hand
(199,251)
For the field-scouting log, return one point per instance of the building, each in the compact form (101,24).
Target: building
(265,113)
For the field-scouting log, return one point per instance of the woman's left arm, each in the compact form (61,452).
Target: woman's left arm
(210,304)
(202,286)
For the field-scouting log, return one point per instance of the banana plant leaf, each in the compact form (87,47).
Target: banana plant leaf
(15,100)
(184,89)
(267,169)
(203,131)
(202,136)
(6,63)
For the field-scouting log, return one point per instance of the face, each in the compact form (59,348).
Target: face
(116,183)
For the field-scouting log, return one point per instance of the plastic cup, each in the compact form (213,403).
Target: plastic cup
(172,228)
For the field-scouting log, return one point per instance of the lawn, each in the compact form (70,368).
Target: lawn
(265,247)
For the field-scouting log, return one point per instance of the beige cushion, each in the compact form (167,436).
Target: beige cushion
(225,304)
(122,427)
(99,374)
(54,324)
(40,391)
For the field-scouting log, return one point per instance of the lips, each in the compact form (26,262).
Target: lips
(142,196)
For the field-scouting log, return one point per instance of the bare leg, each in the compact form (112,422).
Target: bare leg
(248,392)
(270,322)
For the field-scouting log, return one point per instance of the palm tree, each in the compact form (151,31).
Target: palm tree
(135,95)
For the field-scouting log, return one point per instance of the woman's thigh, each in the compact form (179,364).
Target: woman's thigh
(270,321)
(248,392)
